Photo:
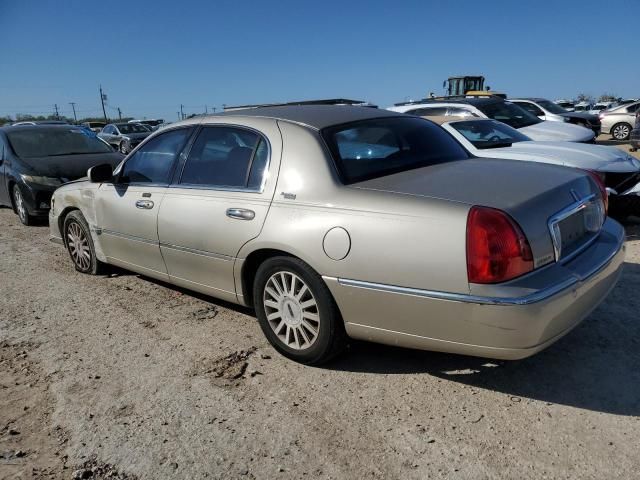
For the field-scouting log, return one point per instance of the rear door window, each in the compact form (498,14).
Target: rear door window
(226,157)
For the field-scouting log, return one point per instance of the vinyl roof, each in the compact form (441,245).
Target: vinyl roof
(314,116)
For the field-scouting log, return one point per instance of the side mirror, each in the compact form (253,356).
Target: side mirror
(100,173)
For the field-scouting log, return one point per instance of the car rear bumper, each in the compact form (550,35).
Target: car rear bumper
(510,321)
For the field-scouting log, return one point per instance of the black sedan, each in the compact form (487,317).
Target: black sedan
(37,159)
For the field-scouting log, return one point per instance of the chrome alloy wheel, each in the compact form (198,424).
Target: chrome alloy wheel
(78,246)
(20,206)
(621,132)
(291,310)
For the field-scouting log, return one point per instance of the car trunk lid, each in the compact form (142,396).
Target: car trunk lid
(532,194)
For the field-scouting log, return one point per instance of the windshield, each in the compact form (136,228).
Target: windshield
(379,147)
(551,107)
(512,115)
(55,142)
(489,133)
(132,128)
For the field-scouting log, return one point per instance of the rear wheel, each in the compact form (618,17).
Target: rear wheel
(79,244)
(21,207)
(621,131)
(297,312)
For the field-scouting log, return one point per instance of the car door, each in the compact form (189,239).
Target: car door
(127,209)
(4,195)
(218,202)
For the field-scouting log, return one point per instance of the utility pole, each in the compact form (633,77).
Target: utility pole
(181,112)
(73,105)
(119,113)
(103,97)
(214,109)
(57,114)
(179,116)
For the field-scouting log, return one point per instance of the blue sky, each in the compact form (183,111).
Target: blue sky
(152,56)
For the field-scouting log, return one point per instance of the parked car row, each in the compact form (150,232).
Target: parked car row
(502,110)
(282,209)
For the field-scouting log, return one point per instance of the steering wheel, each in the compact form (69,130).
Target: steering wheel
(495,138)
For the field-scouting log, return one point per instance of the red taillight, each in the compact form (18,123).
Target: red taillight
(497,250)
(599,179)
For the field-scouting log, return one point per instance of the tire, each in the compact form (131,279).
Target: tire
(621,131)
(77,239)
(21,207)
(622,206)
(122,148)
(297,312)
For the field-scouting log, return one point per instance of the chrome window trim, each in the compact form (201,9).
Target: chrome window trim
(535,297)
(191,186)
(554,221)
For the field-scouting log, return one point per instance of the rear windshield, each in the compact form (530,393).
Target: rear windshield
(551,107)
(48,142)
(489,133)
(512,115)
(378,147)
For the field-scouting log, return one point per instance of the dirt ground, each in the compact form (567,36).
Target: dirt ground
(122,377)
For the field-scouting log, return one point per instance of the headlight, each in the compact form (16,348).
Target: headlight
(39,180)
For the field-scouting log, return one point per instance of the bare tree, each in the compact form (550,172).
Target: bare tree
(607,97)
(585,97)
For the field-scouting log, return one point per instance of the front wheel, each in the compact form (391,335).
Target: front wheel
(21,207)
(621,131)
(297,312)
(79,243)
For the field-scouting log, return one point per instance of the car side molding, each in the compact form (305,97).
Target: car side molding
(534,297)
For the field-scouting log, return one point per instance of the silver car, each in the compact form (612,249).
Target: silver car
(619,121)
(339,221)
(124,137)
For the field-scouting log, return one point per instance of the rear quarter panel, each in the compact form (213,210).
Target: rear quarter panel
(394,239)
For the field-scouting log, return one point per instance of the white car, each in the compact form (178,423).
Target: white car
(492,139)
(568,105)
(601,106)
(583,107)
(619,121)
(501,110)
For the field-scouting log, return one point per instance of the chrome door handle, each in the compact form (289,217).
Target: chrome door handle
(146,204)
(241,213)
